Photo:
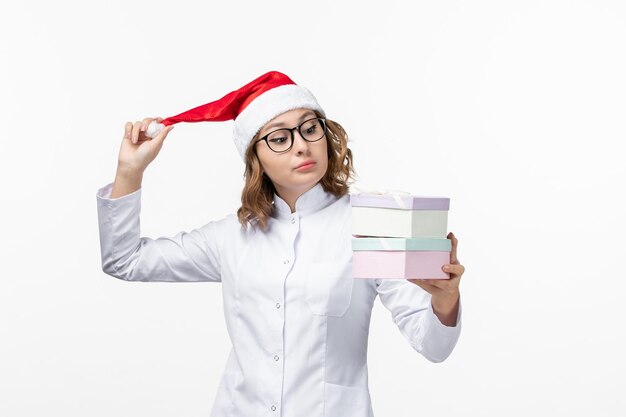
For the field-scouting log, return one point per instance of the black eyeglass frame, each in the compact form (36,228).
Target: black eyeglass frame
(321,119)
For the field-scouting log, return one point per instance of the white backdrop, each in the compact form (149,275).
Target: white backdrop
(515,110)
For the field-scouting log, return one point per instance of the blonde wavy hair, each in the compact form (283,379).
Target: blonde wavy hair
(257,195)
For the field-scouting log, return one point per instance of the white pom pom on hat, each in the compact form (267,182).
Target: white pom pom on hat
(250,106)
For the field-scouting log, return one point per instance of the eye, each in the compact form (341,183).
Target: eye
(278,140)
(311,126)
(279,137)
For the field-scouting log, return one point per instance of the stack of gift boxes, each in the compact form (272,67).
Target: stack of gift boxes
(399,236)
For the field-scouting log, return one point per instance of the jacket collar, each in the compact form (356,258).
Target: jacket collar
(309,202)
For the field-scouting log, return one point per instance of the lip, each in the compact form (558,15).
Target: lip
(306,164)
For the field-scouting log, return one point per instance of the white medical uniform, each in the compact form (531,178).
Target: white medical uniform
(297,320)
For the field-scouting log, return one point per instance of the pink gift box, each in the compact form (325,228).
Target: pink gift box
(400,264)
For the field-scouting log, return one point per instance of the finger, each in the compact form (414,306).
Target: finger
(145,122)
(136,130)
(159,119)
(443,286)
(455,243)
(158,139)
(128,128)
(453,269)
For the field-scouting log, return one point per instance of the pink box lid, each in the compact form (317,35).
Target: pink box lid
(400,201)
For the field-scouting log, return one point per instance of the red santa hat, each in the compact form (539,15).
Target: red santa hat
(251,107)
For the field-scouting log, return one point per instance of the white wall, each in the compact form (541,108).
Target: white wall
(515,110)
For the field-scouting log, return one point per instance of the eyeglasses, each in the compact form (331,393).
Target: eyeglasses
(281,140)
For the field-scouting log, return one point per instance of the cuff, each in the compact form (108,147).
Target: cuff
(103,194)
(458,316)
(436,326)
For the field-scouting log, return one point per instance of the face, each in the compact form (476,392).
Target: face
(281,168)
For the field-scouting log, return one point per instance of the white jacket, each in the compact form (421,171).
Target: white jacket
(297,320)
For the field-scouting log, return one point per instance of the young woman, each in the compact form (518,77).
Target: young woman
(297,320)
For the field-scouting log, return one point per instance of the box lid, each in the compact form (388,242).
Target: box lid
(400,201)
(401,243)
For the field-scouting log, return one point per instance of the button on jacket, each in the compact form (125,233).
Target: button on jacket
(297,320)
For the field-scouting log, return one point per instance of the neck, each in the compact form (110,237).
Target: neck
(290,195)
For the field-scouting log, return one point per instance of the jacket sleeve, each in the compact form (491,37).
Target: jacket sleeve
(412,311)
(186,257)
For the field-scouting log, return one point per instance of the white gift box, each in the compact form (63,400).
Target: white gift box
(396,215)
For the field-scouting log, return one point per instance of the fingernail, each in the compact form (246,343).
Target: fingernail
(446,267)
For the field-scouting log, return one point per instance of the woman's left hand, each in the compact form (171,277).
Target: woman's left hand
(445,292)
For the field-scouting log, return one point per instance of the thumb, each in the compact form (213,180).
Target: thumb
(162,134)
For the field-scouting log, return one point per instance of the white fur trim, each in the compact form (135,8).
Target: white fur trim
(154,128)
(265,107)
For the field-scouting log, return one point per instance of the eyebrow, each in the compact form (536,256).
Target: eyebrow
(278,124)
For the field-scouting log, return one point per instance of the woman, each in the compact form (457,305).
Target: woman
(297,320)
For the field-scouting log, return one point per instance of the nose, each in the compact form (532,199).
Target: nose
(299,144)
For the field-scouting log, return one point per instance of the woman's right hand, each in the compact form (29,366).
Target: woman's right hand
(138,150)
